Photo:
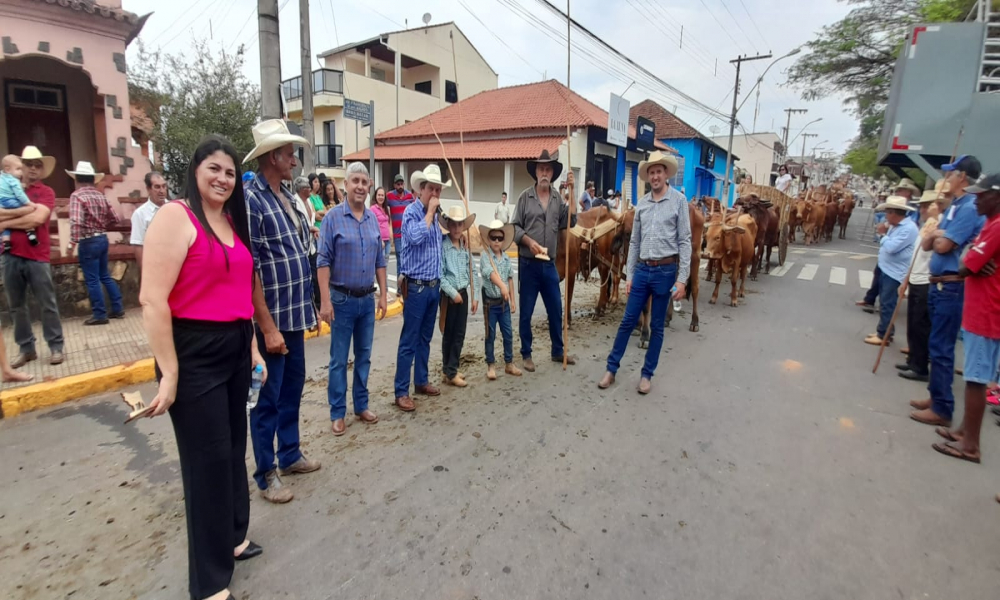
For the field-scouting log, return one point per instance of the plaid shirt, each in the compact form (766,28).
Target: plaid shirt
(421,256)
(280,254)
(504,270)
(454,269)
(90,213)
(352,249)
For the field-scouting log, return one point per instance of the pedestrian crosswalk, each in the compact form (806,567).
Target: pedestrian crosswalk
(813,272)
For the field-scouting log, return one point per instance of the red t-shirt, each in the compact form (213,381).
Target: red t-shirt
(981,314)
(41,194)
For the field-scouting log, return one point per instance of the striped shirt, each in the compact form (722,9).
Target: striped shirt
(90,213)
(280,253)
(421,247)
(662,228)
(454,269)
(504,268)
(397,206)
(352,249)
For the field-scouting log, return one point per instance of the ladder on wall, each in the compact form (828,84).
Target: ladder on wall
(989,64)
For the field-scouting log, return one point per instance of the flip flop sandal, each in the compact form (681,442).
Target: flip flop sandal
(946,434)
(948,450)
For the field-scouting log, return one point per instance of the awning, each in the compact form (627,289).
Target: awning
(521,148)
(706,172)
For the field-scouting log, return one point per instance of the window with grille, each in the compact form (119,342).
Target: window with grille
(41,97)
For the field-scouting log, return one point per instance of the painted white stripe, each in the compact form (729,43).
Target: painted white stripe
(829,254)
(808,271)
(865,278)
(861,257)
(391,278)
(798,251)
(838,276)
(780,271)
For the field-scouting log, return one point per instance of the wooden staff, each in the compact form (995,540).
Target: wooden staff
(572,196)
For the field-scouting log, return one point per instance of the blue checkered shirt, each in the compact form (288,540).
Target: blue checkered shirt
(421,251)
(280,254)
(504,270)
(454,269)
(352,249)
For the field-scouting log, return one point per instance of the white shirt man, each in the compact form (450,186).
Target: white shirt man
(502,212)
(156,190)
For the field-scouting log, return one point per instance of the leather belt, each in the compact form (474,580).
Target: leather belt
(354,293)
(423,282)
(659,262)
(946,279)
(93,235)
(487,301)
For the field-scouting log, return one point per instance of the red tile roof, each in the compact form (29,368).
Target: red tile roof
(520,148)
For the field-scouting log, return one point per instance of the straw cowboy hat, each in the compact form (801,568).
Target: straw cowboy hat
(907,184)
(48,162)
(498,225)
(430,174)
(271,135)
(928,196)
(658,158)
(545,159)
(456,214)
(895,202)
(85,168)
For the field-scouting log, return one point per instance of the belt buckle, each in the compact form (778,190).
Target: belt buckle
(940,286)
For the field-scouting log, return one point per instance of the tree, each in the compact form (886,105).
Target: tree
(188,98)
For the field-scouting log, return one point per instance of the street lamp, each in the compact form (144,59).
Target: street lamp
(801,130)
(760,79)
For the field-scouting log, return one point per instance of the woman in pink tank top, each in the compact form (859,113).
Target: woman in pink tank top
(196,295)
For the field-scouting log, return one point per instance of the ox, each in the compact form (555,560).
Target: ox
(812,215)
(585,256)
(846,208)
(762,217)
(731,245)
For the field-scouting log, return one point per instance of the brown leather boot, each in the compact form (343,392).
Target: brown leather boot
(607,380)
(511,369)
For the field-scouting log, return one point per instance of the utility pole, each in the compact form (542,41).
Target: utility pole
(805,136)
(739,60)
(270,59)
(308,154)
(788,127)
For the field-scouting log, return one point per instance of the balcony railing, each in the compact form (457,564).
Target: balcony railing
(323,80)
(329,155)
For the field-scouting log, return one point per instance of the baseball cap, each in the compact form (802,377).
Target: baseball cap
(967,164)
(398,178)
(989,183)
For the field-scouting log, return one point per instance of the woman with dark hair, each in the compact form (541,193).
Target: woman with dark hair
(381,210)
(327,200)
(196,296)
(784,180)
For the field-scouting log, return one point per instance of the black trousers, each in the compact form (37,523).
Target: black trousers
(454,334)
(918,328)
(210,424)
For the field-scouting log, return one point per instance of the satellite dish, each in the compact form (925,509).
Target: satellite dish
(427,18)
(714,129)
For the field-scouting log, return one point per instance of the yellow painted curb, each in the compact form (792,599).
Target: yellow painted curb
(324,329)
(395,307)
(64,389)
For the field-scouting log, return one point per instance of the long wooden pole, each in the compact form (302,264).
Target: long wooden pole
(572,194)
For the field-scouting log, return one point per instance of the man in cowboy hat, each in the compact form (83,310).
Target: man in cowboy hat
(90,215)
(420,264)
(894,257)
(659,257)
(283,309)
(956,230)
(909,190)
(538,217)
(27,266)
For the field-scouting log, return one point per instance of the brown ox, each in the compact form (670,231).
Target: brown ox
(762,217)
(812,215)
(584,261)
(731,246)
(794,220)
(846,208)
(832,213)
(772,238)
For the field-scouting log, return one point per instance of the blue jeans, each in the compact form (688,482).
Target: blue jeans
(277,410)
(352,318)
(946,320)
(419,319)
(646,282)
(887,300)
(397,244)
(94,264)
(386,244)
(499,314)
(539,277)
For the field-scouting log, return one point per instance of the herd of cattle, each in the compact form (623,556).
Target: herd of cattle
(737,241)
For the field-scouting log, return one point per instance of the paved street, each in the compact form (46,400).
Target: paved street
(768,463)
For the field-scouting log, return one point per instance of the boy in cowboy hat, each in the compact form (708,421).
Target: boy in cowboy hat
(455,286)
(12,194)
(659,257)
(498,281)
(894,257)
(918,318)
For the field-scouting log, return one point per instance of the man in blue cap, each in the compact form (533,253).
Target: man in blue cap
(958,227)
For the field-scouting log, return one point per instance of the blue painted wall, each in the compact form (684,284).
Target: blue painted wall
(696,181)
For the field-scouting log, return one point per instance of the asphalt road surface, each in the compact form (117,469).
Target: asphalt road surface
(768,463)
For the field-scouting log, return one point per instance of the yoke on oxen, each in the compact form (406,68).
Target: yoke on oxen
(783,203)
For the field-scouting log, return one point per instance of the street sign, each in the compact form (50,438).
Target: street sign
(359,111)
(645,133)
(618,121)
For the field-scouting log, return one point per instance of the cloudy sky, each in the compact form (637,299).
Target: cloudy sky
(525,42)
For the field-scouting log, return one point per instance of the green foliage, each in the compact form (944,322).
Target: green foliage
(189,98)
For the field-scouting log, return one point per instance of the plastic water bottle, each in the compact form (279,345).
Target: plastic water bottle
(256,380)
(677,303)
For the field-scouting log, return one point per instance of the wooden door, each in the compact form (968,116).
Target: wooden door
(37,116)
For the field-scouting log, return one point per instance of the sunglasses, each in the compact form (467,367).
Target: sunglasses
(496,238)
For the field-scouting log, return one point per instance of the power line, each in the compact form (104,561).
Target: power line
(644,13)
(499,39)
(754,22)
(169,27)
(740,27)
(206,6)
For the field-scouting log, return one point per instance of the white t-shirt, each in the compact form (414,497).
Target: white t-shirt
(141,219)
(783,182)
(502,212)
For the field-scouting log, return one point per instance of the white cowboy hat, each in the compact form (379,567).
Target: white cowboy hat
(497,225)
(658,158)
(430,174)
(456,213)
(271,135)
(33,153)
(895,202)
(85,168)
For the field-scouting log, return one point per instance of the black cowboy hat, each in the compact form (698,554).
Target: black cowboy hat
(543,159)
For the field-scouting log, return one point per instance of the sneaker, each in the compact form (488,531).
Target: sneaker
(95,321)
(275,492)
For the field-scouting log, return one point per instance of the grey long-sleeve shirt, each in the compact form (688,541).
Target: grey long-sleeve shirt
(540,225)
(661,229)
